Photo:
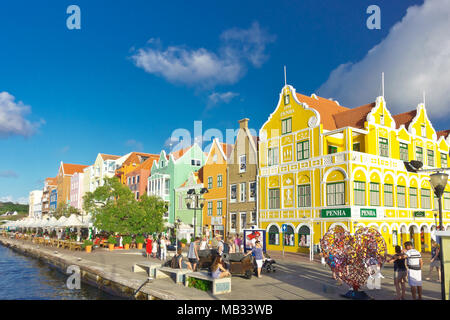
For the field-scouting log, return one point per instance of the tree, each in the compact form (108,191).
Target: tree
(65,209)
(115,209)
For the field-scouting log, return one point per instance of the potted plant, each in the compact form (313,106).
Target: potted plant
(126,242)
(111,242)
(140,241)
(88,245)
(183,242)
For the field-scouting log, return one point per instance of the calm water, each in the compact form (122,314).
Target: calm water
(26,278)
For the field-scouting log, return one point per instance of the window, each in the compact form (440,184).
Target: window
(332,149)
(219,208)
(162,163)
(357,147)
(274,235)
(210,182)
(401,196)
(423,131)
(219,181)
(242,195)
(286,126)
(381,119)
(419,154)
(166,186)
(242,163)
(274,198)
(303,150)
(252,191)
(304,195)
(443,160)
(137,179)
(137,195)
(446,198)
(304,236)
(404,152)
(359,188)
(335,194)
(430,158)
(210,208)
(134,179)
(413,197)
(288,236)
(253,217)
(243,220)
(286,99)
(233,221)
(195,162)
(388,195)
(425,198)
(374,194)
(233,193)
(384,147)
(273,156)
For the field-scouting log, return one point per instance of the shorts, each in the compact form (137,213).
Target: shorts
(435,264)
(400,274)
(193,260)
(259,263)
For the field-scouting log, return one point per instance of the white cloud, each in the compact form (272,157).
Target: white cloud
(204,68)
(12,117)
(415,57)
(221,97)
(136,145)
(8,174)
(10,198)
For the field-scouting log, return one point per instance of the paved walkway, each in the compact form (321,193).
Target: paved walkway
(296,278)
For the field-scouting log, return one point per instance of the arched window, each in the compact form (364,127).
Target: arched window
(274,235)
(289,236)
(304,236)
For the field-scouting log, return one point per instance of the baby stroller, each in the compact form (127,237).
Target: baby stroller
(268,265)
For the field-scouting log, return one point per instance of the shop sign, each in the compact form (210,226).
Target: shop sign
(336,213)
(216,221)
(419,214)
(368,213)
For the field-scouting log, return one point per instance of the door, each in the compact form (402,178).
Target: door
(242,221)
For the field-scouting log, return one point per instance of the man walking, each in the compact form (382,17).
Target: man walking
(414,265)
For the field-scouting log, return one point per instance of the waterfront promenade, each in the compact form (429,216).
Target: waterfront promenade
(296,277)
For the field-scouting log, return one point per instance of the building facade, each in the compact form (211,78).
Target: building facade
(76,190)
(242,170)
(53,200)
(323,165)
(137,179)
(132,161)
(35,204)
(49,185)
(65,173)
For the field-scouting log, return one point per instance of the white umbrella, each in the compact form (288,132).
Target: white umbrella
(52,223)
(61,222)
(73,221)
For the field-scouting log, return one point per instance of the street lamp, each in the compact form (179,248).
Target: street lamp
(177,223)
(194,201)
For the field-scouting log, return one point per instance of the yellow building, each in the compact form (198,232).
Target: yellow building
(322,164)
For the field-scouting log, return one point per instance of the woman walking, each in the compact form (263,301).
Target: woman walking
(400,273)
(259,256)
(435,261)
(163,248)
(148,246)
(154,248)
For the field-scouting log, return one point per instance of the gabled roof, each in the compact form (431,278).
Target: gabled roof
(227,148)
(354,118)
(198,176)
(109,156)
(137,158)
(443,133)
(52,181)
(404,118)
(146,165)
(70,169)
(178,154)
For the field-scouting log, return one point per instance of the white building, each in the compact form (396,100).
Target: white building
(35,204)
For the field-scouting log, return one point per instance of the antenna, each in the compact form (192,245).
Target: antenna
(382,84)
(424,98)
(284,75)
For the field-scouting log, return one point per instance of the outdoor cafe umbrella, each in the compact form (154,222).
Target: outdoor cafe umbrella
(73,222)
(61,222)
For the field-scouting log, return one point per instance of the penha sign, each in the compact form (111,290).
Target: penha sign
(336,213)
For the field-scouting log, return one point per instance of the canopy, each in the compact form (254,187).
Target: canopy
(53,222)
(73,222)
(61,222)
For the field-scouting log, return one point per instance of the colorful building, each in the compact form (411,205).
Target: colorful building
(35,204)
(53,200)
(49,185)
(105,166)
(171,171)
(65,173)
(76,190)
(132,161)
(215,180)
(242,170)
(137,179)
(322,164)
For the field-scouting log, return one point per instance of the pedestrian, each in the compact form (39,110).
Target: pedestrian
(148,246)
(163,248)
(332,264)
(231,247)
(218,270)
(237,244)
(259,256)
(193,254)
(220,245)
(154,248)
(204,243)
(435,261)
(214,242)
(414,265)
(400,272)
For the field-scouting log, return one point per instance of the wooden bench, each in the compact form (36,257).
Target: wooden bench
(149,267)
(219,286)
(177,275)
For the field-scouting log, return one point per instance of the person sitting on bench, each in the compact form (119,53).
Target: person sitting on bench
(218,271)
(177,260)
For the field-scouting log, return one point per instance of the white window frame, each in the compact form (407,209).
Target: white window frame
(250,198)
(243,192)
(231,193)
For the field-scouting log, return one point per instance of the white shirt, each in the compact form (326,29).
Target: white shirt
(414,257)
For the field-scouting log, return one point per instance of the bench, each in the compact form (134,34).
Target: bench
(219,286)
(177,275)
(149,267)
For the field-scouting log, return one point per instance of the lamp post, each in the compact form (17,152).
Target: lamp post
(177,223)
(438,182)
(195,201)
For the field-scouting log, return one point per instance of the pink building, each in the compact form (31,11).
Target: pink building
(76,190)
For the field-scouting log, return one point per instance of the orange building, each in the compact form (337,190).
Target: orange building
(130,164)
(215,180)
(65,172)
(137,179)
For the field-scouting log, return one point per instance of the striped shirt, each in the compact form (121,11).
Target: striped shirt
(413,260)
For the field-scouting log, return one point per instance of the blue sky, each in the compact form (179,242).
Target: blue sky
(90,91)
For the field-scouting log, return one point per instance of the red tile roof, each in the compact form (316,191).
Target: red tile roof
(52,181)
(109,156)
(443,133)
(146,165)
(354,118)
(70,168)
(404,118)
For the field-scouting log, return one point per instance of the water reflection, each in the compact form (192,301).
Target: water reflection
(25,278)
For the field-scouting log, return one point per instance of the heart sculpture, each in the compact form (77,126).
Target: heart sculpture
(351,255)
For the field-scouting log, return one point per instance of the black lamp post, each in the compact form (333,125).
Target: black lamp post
(195,201)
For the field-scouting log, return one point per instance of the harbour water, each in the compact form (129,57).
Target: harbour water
(26,278)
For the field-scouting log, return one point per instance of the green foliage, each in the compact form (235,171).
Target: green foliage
(9,206)
(111,239)
(200,284)
(140,239)
(183,241)
(88,243)
(115,209)
(66,210)
(126,240)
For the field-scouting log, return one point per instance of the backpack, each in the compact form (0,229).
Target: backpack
(226,247)
(173,262)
